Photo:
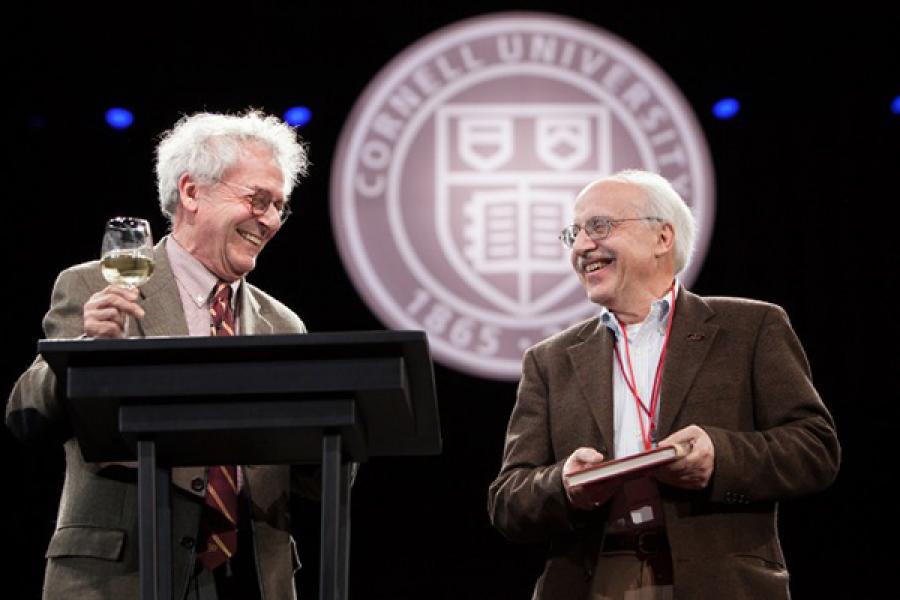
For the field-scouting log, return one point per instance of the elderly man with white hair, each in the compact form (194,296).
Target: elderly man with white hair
(224,183)
(659,365)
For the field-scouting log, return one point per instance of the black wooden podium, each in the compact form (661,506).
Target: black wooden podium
(192,401)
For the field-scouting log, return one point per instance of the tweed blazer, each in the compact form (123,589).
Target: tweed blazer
(735,368)
(93,553)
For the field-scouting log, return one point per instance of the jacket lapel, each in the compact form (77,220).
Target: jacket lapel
(592,363)
(690,341)
(252,321)
(158,297)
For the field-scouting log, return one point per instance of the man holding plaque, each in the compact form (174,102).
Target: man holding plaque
(224,183)
(723,379)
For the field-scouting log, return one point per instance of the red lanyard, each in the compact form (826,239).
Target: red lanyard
(632,383)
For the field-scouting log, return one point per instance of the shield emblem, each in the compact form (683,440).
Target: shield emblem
(500,203)
(485,144)
(562,143)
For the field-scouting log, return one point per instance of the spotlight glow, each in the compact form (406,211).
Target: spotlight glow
(298,116)
(119,118)
(895,105)
(726,108)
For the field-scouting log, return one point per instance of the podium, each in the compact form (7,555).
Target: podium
(327,398)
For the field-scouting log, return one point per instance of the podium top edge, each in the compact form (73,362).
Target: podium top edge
(294,340)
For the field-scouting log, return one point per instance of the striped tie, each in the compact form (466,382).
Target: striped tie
(218,526)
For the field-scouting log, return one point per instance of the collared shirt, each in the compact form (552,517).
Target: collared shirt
(645,341)
(195,285)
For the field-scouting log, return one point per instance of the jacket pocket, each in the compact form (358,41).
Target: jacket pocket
(761,561)
(94,542)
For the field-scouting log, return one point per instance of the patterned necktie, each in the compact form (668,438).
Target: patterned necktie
(218,526)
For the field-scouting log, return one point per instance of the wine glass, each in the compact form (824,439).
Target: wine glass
(127,252)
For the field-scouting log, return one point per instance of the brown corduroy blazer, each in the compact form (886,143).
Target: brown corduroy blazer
(93,554)
(735,368)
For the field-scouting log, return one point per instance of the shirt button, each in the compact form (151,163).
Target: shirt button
(197,484)
(187,543)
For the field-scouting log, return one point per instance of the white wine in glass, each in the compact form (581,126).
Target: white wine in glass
(127,253)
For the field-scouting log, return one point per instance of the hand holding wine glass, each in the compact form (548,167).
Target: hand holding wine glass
(126,262)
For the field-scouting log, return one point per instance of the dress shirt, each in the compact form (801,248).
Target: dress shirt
(195,285)
(645,341)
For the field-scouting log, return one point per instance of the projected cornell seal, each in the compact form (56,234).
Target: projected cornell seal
(460,163)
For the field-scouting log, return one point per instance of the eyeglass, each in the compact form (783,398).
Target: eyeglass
(260,200)
(597,228)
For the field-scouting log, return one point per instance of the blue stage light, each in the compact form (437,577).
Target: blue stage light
(895,105)
(298,116)
(726,108)
(119,118)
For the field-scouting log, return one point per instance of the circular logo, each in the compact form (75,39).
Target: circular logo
(459,165)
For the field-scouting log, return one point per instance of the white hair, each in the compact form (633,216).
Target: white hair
(205,145)
(661,200)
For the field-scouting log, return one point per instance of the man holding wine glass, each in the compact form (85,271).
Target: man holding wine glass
(224,182)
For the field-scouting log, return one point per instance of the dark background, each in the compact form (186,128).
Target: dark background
(806,217)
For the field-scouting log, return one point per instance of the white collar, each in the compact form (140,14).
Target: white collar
(658,314)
